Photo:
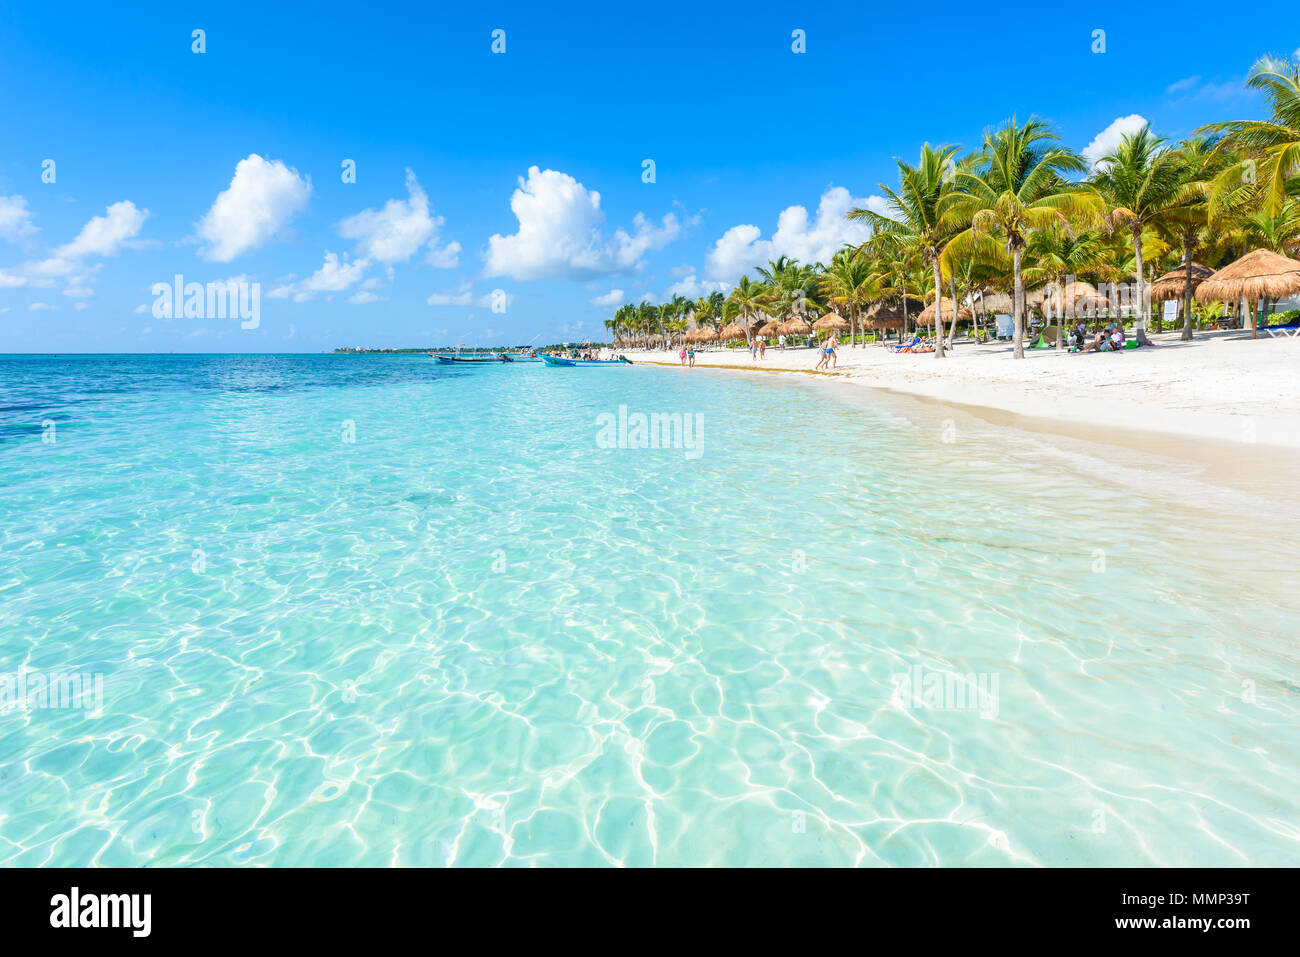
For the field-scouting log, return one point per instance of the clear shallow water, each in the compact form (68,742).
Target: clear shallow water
(472,636)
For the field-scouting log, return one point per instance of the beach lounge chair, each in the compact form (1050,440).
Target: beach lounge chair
(1291,329)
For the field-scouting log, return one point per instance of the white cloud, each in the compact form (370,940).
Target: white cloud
(692,288)
(262,198)
(140,309)
(1108,139)
(105,235)
(394,233)
(560,233)
(334,275)
(612,298)
(742,247)
(101,236)
(16,220)
(1183,85)
(460,297)
(41,307)
(364,296)
(80,305)
(463,295)
(444,257)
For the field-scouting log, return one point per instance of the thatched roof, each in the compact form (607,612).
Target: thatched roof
(1074,298)
(831,321)
(1172,283)
(768,328)
(702,334)
(945,313)
(1257,275)
(993,303)
(794,327)
(891,312)
(1002,303)
(732,331)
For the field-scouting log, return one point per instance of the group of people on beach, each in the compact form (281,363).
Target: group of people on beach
(687,355)
(1109,338)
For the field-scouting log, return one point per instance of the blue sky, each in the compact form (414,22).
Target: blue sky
(522,171)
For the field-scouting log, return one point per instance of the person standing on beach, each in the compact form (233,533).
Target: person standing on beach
(781,342)
(831,344)
(690,355)
(762,348)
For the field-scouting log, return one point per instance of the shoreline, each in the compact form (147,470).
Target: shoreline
(1222,387)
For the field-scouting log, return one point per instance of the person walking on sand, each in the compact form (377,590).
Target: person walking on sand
(781,342)
(690,356)
(821,358)
(831,344)
(762,348)
(682,355)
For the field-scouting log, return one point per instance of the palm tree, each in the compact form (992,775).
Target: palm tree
(1271,147)
(1016,186)
(1279,233)
(746,302)
(914,225)
(1140,181)
(851,281)
(648,318)
(1055,253)
(1187,220)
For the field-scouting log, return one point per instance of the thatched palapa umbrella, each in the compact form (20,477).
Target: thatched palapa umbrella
(993,303)
(1171,284)
(945,313)
(884,315)
(831,322)
(1076,298)
(794,327)
(1262,274)
(732,331)
(768,328)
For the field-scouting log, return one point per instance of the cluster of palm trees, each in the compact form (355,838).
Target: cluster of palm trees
(1026,211)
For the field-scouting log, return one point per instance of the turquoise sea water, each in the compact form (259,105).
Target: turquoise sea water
(472,635)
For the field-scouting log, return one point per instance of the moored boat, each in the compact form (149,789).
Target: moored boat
(561,361)
(500,357)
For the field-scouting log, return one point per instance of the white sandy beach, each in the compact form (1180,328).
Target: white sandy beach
(1222,385)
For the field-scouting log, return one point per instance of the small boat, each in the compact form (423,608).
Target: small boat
(561,361)
(500,357)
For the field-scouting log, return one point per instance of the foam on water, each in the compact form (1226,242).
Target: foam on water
(473,636)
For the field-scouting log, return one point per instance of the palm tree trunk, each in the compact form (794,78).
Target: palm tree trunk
(1018,305)
(952,330)
(1143,312)
(903,334)
(1187,288)
(938,312)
